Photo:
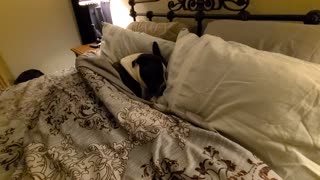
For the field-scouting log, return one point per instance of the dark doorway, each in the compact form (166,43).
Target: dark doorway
(87,16)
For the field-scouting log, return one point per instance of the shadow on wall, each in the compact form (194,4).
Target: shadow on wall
(6,78)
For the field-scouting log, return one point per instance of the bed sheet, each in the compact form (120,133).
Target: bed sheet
(79,125)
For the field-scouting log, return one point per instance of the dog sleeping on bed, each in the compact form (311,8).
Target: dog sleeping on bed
(144,74)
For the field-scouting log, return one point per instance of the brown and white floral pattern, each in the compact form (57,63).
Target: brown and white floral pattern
(11,150)
(79,126)
(98,161)
(212,167)
(145,124)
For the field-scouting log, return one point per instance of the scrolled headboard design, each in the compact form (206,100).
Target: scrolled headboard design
(207,5)
(203,7)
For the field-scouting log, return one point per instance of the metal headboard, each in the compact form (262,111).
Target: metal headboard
(202,7)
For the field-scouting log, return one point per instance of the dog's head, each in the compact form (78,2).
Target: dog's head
(152,69)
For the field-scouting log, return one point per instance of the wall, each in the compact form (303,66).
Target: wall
(37,34)
(255,7)
(283,6)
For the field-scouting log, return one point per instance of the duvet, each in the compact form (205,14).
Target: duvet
(85,124)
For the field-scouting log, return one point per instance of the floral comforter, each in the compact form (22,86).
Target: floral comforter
(77,125)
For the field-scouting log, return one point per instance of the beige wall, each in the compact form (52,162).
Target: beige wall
(37,34)
(256,7)
(283,6)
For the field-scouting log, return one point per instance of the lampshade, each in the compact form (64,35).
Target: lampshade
(89,2)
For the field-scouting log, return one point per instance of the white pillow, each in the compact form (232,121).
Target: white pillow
(292,39)
(118,43)
(267,102)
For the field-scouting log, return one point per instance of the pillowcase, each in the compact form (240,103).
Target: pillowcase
(267,102)
(168,31)
(292,39)
(118,43)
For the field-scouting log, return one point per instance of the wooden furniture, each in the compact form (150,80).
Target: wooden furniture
(82,49)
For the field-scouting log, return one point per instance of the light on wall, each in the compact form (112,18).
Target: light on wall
(120,13)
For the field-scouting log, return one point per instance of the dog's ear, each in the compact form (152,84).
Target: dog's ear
(156,49)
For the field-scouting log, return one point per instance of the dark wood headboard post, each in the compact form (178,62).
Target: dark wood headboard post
(199,19)
(199,16)
(313,17)
(133,13)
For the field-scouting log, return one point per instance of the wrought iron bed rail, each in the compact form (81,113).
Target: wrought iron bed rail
(202,7)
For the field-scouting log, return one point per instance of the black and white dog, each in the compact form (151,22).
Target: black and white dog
(144,74)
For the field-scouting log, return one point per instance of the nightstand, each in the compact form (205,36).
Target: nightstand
(82,49)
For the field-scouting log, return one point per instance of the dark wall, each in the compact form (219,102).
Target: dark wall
(88,15)
(82,15)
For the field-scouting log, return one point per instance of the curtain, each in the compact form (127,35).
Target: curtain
(6,78)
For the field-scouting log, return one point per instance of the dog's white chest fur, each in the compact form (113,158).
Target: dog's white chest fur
(134,72)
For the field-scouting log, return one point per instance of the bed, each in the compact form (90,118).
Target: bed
(235,107)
